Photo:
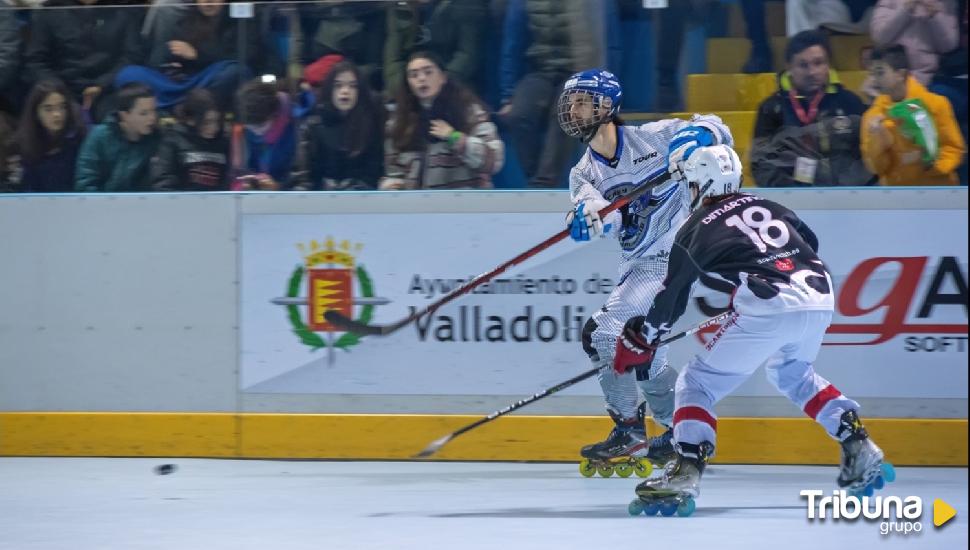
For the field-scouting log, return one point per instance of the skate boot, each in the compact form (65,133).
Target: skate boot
(862,470)
(674,492)
(661,450)
(623,451)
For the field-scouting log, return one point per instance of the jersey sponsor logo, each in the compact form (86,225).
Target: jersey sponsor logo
(644,158)
(774,257)
(638,217)
(784,264)
(329,269)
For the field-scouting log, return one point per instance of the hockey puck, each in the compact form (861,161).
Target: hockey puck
(165,469)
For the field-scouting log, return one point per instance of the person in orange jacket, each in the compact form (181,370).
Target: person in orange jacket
(900,142)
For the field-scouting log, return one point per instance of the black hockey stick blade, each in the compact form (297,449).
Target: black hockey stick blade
(437,444)
(349,325)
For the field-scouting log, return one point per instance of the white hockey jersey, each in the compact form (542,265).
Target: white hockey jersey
(647,226)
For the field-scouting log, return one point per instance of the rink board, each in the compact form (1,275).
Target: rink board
(178,337)
(941,442)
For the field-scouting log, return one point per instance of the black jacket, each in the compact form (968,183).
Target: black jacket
(9,49)
(213,42)
(82,47)
(187,162)
(832,140)
(330,165)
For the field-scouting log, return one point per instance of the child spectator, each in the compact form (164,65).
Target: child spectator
(194,153)
(439,136)
(49,136)
(909,135)
(344,141)
(199,52)
(264,147)
(116,155)
(807,133)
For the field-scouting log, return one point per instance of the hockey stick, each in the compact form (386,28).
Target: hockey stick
(437,444)
(343,322)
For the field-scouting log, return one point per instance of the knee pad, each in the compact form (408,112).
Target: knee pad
(587,339)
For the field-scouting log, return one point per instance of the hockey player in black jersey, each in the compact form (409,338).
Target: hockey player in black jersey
(783,302)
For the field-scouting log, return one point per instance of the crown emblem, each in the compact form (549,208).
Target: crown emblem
(325,282)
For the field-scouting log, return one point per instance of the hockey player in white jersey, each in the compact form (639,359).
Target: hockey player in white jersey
(619,159)
(783,301)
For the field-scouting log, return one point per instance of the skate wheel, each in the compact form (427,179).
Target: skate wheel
(605,471)
(686,507)
(879,483)
(624,470)
(643,467)
(888,472)
(635,508)
(586,469)
(668,509)
(868,491)
(651,509)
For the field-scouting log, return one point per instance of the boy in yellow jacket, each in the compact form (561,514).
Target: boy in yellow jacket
(909,135)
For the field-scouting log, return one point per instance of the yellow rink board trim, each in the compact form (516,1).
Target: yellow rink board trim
(118,434)
(357,436)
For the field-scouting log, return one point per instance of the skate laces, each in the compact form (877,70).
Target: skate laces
(661,440)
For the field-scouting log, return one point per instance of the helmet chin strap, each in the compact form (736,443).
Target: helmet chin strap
(700,193)
(590,132)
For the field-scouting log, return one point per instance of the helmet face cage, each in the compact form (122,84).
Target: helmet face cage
(572,103)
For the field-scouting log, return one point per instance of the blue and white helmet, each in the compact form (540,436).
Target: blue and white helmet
(588,99)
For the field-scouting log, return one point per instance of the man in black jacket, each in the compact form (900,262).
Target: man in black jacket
(807,133)
(82,46)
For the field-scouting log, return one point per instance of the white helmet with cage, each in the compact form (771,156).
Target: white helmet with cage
(712,171)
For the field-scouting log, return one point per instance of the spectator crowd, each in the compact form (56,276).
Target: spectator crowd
(202,95)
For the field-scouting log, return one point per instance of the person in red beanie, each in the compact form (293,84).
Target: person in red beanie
(315,73)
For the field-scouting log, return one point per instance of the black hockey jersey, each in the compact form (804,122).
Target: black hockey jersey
(759,247)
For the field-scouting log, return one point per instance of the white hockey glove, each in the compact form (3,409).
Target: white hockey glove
(683,144)
(584,220)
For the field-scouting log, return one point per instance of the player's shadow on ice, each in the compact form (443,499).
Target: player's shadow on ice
(598,512)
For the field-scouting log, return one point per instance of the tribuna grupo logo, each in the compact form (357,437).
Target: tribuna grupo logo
(896,515)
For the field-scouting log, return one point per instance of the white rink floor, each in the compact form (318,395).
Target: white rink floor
(80,504)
